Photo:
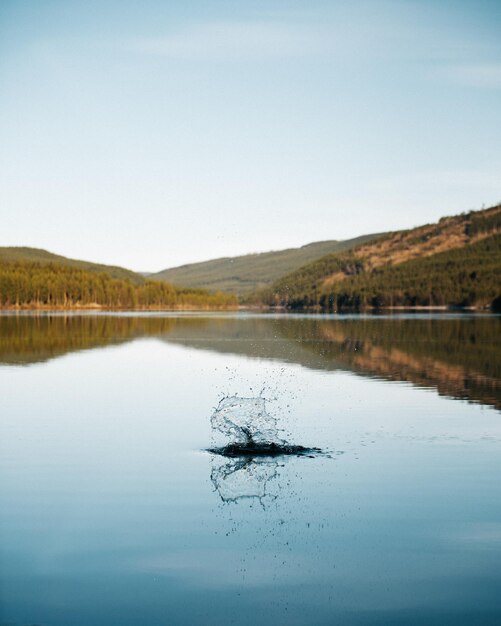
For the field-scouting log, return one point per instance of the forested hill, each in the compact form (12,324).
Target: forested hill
(242,275)
(33,285)
(456,261)
(43,257)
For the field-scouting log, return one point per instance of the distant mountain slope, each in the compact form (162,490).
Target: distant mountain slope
(456,261)
(244,274)
(37,255)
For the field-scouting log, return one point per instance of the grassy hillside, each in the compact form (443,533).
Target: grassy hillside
(456,261)
(37,255)
(244,274)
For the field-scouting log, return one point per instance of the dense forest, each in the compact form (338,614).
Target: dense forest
(49,285)
(463,277)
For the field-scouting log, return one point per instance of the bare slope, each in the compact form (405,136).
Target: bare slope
(37,255)
(244,274)
(447,234)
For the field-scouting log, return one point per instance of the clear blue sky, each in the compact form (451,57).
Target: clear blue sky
(154,133)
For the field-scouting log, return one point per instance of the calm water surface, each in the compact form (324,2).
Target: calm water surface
(111,512)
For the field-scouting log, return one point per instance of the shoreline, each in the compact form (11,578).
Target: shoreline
(98,307)
(243,308)
(318,309)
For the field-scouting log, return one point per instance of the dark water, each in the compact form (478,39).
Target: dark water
(112,512)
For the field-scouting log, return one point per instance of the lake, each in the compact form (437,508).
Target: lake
(112,512)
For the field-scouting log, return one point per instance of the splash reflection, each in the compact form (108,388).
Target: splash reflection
(242,478)
(247,466)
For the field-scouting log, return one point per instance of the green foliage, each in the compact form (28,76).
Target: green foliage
(467,276)
(30,284)
(303,287)
(462,277)
(401,269)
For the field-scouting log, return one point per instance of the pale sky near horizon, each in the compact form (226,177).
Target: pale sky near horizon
(150,133)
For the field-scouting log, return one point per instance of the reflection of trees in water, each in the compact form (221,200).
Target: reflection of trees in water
(28,339)
(458,356)
(472,341)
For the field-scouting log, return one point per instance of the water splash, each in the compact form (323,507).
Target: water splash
(246,421)
(248,465)
(252,431)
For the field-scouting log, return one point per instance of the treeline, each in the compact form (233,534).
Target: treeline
(39,285)
(468,276)
(305,284)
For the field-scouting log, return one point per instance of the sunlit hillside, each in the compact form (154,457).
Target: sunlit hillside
(456,261)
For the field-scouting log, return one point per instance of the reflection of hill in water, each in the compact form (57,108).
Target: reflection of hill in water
(458,356)
(26,339)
